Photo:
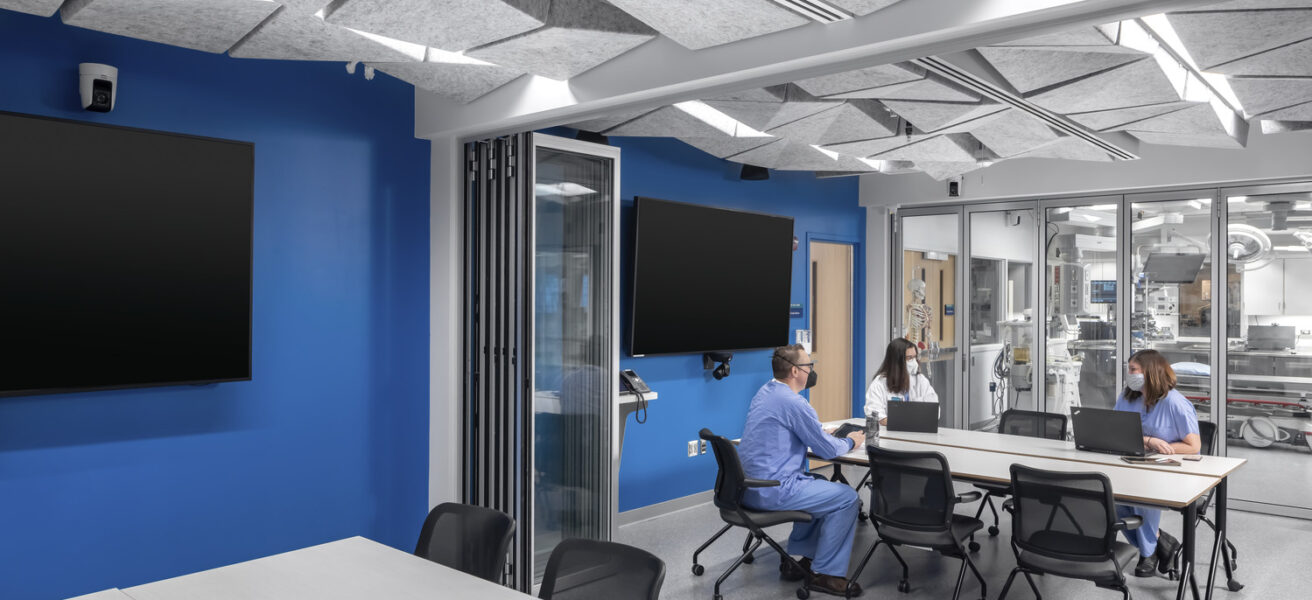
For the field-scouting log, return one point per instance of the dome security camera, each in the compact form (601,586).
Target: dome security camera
(98,85)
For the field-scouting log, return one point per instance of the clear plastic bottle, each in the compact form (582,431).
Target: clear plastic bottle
(872,431)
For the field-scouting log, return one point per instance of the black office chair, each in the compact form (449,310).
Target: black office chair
(730,484)
(1207,435)
(911,504)
(1028,423)
(468,538)
(1065,524)
(591,569)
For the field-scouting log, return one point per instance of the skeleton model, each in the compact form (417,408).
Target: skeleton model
(919,318)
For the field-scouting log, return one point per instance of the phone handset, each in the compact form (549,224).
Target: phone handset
(639,387)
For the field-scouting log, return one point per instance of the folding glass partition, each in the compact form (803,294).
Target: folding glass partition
(926,302)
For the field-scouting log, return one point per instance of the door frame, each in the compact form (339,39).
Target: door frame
(858,307)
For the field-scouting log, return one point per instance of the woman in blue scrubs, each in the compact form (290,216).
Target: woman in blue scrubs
(1170,426)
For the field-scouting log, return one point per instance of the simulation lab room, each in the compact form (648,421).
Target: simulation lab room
(644,299)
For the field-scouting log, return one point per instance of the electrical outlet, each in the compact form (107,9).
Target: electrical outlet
(703,447)
(693,447)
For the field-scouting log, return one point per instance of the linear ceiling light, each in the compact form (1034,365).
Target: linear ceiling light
(725,123)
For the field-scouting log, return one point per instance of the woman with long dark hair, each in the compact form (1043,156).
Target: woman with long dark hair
(898,379)
(1170,426)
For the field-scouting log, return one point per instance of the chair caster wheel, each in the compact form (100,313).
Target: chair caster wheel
(993,530)
(1234,586)
(698,570)
(974,546)
(862,516)
(904,586)
(749,559)
(803,593)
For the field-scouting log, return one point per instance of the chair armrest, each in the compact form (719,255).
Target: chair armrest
(757,483)
(1128,523)
(971,496)
(1009,505)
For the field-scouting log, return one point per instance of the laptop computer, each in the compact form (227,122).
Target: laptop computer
(1109,431)
(920,417)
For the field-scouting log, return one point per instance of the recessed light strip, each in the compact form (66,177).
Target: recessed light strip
(725,123)
(816,10)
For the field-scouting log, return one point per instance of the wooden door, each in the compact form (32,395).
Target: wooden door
(831,284)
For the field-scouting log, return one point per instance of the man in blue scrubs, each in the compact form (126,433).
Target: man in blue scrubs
(781,425)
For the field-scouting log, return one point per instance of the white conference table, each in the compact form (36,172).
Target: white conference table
(985,457)
(351,569)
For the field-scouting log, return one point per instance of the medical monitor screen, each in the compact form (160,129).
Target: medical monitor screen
(125,257)
(1169,267)
(1102,291)
(708,279)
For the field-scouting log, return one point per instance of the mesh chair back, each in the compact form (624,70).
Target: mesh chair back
(1033,424)
(588,569)
(729,480)
(912,490)
(1207,434)
(472,539)
(1068,516)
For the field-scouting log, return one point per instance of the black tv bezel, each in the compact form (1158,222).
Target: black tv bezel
(633,291)
(250,303)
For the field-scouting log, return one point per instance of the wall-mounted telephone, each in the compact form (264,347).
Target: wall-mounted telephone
(635,384)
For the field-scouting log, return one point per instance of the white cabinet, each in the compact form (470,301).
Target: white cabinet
(1298,286)
(1264,290)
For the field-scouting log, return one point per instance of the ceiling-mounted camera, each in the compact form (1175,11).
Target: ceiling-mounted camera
(710,359)
(98,85)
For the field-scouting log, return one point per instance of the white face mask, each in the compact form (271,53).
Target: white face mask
(1134,381)
(913,367)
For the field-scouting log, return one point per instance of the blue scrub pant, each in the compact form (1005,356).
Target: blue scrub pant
(1145,537)
(827,539)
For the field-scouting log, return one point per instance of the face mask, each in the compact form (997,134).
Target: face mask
(913,367)
(1134,381)
(810,379)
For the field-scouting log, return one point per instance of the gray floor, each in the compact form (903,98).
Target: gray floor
(1290,466)
(1272,562)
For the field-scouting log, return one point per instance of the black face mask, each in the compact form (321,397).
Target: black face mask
(810,379)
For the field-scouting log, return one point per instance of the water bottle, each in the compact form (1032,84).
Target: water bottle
(872,431)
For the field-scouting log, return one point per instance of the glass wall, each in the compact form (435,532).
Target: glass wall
(1001,315)
(926,313)
(1269,345)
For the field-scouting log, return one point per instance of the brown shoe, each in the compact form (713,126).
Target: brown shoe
(789,572)
(830,584)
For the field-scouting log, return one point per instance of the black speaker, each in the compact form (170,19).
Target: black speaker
(754,173)
(592,136)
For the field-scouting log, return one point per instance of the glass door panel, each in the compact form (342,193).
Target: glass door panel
(1269,355)
(927,313)
(1002,326)
(1082,365)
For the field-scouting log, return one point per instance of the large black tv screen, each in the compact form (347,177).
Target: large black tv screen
(125,257)
(708,279)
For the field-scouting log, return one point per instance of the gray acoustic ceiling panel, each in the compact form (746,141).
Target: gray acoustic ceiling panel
(1080,36)
(725,146)
(809,129)
(290,35)
(458,81)
(305,7)
(769,115)
(697,24)
(1029,68)
(940,170)
(1251,5)
(933,116)
(860,120)
(873,147)
(1301,112)
(206,25)
(1135,84)
(789,155)
(604,122)
(577,36)
(452,25)
(931,88)
(667,121)
(1215,38)
(40,8)
(1068,148)
(1261,95)
(1294,60)
(1193,140)
(1198,118)
(862,79)
(1269,127)
(862,8)
(774,93)
(957,147)
(1105,120)
(1012,132)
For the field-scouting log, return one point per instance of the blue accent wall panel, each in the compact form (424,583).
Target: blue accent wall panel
(329,440)
(655,466)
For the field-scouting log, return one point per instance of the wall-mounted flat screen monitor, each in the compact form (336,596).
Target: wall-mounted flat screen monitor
(708,279)
(125,257)
(1102,291)
(1170,267)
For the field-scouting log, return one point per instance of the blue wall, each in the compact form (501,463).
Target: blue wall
(655,466)
(329,440)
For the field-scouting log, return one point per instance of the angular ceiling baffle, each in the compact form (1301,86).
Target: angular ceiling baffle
(290,35)
(206,25)
(861,8)
(698,24)
(770,107)
(462,81)
(451,25)
(577,36)
(859,120)
(861,79)
(725,146)
(40,8)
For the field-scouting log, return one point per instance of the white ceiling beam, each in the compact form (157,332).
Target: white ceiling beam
(662,72)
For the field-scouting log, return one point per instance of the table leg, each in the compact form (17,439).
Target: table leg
(1218,551)
(838,473)
(1187,580)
